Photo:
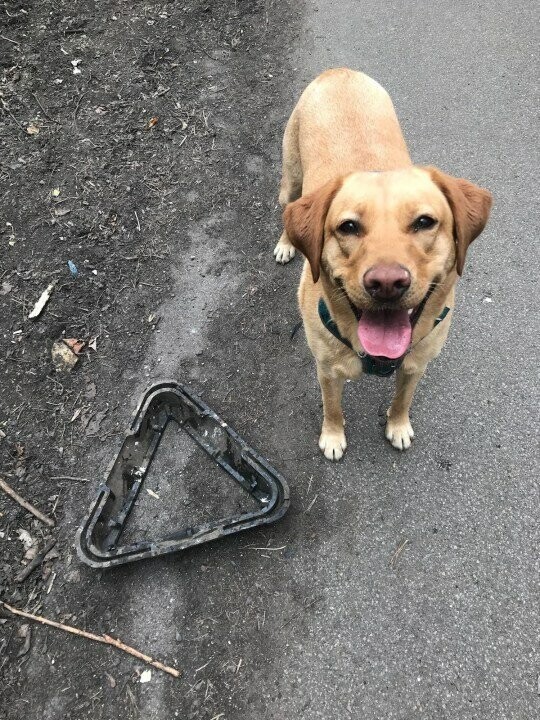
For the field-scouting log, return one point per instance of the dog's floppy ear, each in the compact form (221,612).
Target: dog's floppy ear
(304,223)
(470,206)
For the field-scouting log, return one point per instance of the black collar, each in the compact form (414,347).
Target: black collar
(374,365)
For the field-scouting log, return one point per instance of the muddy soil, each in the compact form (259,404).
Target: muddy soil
(121,125)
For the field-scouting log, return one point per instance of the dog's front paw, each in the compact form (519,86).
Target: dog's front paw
(400,433)
(284,251)
(333,444)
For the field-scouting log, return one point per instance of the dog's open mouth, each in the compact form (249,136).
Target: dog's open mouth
(385,333)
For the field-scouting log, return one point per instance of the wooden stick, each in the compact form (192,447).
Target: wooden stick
(26,505)
(401,547)
(11,41)
(44,111)
(105,639)
(25,572)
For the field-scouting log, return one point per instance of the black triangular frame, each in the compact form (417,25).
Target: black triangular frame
(98,537)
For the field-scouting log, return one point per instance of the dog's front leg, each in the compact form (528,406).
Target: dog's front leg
(398,426)
(284,250)
(332,440)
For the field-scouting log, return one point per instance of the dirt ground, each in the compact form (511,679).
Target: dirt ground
(121,123)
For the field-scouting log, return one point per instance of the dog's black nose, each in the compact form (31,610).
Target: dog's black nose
(387,282)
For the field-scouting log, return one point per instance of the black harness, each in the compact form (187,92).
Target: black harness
(371,364)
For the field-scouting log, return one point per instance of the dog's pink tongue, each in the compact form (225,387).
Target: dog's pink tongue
(385,332)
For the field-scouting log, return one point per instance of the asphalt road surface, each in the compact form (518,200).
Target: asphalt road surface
(399,585)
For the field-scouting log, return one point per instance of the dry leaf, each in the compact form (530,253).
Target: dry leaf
(61,211)
(22,632)
(25,538)
(152,493)
(75,345)
(90,392)
(153,121)
(25,632)
(64,359)
(32,129)
(93,426)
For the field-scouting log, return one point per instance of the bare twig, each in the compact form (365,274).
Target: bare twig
(25,572)
(211,56)
(69,477)
(76,111)
(311,504)
(270,549)
(105,639)
(306,606)
(9,40)
(44,111)
(6,109)
(400,548)
(23,503)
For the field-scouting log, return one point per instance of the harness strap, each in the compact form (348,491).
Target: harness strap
(330,324)
(374,365)
(441,317)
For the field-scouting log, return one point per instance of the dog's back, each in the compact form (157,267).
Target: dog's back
(345,121)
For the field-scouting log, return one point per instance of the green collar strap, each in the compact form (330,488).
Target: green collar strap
(371,365)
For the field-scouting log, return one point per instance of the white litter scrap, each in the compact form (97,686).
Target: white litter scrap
(43,300)
(146,676)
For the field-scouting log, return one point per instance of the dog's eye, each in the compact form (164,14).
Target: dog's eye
(349,227)
(424,222)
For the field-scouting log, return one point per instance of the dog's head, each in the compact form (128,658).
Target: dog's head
(386,238)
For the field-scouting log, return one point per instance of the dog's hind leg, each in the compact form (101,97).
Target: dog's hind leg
(291,184)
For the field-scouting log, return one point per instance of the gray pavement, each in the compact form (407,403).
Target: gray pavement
(328,623)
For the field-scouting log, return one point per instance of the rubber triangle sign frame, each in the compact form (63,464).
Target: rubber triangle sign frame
(98,539)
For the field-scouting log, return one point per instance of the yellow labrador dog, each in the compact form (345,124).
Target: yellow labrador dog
(384,243)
